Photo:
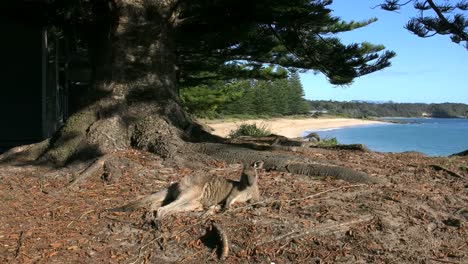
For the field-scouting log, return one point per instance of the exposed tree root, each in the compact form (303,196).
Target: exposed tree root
(92,169)
(325,170)
(272,140)
(275,142)
(279,161)
(70,139)
(25,153)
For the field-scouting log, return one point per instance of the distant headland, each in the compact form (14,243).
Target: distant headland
(365,109)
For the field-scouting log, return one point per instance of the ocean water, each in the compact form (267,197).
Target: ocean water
(432,136)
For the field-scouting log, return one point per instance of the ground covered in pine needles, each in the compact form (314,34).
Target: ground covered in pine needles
(418,214)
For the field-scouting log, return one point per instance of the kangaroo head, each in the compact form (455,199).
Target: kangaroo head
(257,164)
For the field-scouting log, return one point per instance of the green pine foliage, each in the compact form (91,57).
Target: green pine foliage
(252,97)
(435,18)
(204,100)
(235,39)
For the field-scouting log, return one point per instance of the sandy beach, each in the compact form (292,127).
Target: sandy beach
(289,127)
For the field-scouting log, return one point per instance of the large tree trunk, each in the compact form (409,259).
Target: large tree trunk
(133,99)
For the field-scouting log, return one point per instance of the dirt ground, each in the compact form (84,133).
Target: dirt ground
(418,214)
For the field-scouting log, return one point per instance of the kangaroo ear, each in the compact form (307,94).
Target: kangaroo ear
(258,164)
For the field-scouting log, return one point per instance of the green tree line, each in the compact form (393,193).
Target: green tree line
(390,109)
(251,97)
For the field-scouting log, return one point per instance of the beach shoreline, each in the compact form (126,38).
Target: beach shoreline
(289,127)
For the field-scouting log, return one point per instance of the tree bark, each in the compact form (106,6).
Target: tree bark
(133,100)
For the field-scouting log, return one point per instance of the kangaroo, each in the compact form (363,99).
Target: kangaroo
(202,191)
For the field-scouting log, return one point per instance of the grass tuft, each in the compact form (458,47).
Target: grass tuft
(251,130)
(328,142)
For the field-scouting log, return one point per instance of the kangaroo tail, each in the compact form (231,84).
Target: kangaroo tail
(157,197)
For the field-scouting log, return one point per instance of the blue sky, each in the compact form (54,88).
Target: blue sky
(432,70)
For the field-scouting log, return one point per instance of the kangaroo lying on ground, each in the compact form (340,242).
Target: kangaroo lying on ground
(201,191)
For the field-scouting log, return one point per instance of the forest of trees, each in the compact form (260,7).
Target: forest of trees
(277,97)
(390,109)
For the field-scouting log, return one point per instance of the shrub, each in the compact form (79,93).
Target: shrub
(250,130)
(328,142)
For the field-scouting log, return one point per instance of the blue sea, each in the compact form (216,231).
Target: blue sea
(432,136)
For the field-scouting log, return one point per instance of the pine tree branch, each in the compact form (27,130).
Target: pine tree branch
(392,5)
(453,29)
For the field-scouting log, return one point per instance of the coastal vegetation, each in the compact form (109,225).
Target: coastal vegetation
(252,98)
(327,142)
(252,130)
(247,98)
(358,109)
